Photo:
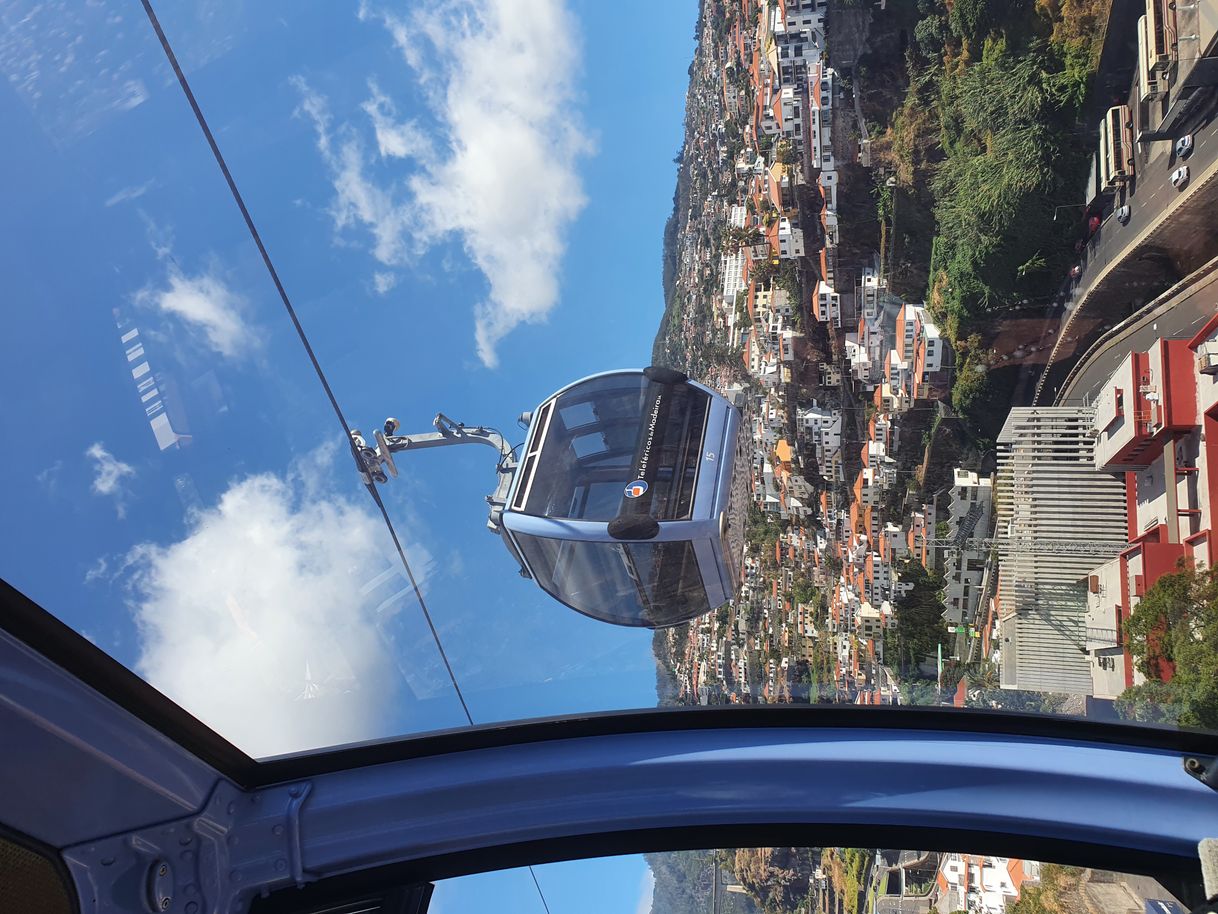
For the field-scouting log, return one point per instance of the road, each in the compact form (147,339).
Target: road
(1178,314)
(903,904)
(1150,195)
(1170,233)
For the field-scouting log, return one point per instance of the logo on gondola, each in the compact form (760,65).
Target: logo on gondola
(636,488)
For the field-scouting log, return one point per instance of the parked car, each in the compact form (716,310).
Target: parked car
(1122,214)
(1184,146)
(1076,271)
(1179,177)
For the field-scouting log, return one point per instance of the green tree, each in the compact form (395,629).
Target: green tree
(1007,128)
(973,19)
(929,36)
(1057,891)
(982,675)
(972,386)
(736,237)
(764,271)
(788,280)
(833,567)
(919,617)
(919,692)
(1172,635)
(802,591)
(761,530)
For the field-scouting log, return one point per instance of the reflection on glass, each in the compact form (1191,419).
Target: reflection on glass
(805,880)
(179,498)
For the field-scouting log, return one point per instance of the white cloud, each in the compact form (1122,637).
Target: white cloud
(646,893)
(499,76)
(207,305)
(108,475)
(393,139)
(49,477)
(358,200)
(383,281)
(160,237)
(129,193)
(98,570)
(256,622)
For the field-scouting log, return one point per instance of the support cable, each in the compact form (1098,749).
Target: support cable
(300,331)
(321,375)
(245,213)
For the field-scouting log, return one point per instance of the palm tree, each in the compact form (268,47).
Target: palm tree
(738,237)
(983,675)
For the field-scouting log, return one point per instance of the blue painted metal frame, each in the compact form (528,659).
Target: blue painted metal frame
(136,815)
(73,764)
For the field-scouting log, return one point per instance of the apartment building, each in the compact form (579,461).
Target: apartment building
(918,354)
(790,239)
(734,267)
(823,427)
(983,885)
(827,305)
(1156,427)
(969,517)
(1057,518)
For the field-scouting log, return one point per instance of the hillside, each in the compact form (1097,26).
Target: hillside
(989,136)
(683,885)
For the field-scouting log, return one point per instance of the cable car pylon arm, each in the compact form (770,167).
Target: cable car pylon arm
(376,463)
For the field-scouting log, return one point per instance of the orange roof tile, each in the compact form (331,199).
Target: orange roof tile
(1016,872)
(900,343)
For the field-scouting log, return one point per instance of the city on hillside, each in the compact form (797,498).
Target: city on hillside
(836,880)
(954,261)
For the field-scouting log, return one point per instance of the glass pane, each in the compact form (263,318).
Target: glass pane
(671,579)
(977,398)
(594,440)
(803,880)
(631,584)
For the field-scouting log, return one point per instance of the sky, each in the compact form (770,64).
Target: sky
(622,885)
(465,202)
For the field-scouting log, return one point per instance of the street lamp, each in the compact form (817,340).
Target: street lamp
(1066,206)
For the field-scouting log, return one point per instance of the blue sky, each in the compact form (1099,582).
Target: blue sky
(621,885)
(465,202)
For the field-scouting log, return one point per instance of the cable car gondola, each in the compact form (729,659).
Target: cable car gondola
(627,502)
